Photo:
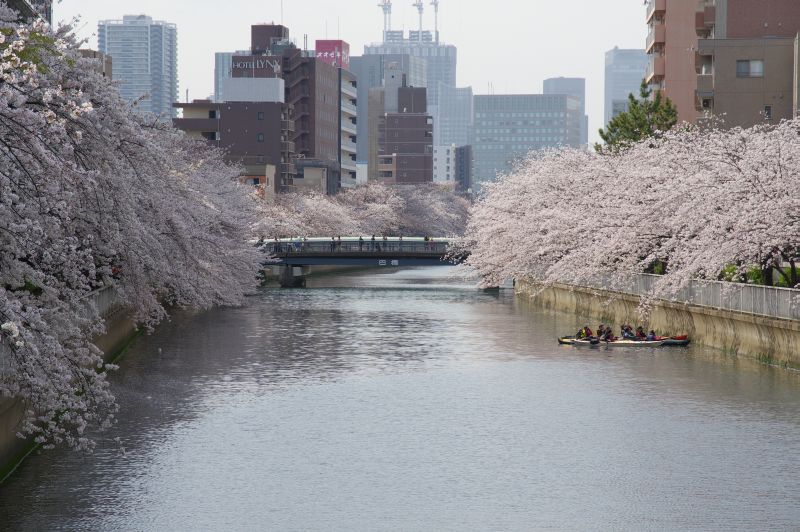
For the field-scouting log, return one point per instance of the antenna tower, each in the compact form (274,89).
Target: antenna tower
(435,4)
(386,5)
(420,5)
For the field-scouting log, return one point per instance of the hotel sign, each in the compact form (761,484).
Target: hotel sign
(256,66)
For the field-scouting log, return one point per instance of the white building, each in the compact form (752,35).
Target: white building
(145,55)
(253,90)
(444,164)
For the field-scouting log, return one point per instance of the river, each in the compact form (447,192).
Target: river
(408,400)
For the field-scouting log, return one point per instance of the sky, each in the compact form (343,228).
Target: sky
(511,44)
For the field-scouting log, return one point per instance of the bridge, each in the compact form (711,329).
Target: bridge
(291,256)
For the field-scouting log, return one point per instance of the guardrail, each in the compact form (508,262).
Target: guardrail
(772,302)
(105,300)
(366,247)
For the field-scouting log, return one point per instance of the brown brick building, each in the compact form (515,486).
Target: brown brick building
(405,153)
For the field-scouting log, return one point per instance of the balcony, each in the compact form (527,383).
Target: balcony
(349,109)
(349,146)
(349,127)
(349,90)
(655,70)
(655,7)
(656,37)
(705,85)
(196,124)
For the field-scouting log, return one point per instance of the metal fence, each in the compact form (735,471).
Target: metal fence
(105,300)
(750,299)
(437,247)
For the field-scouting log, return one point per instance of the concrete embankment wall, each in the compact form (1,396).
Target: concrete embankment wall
(770,340)
(121,330)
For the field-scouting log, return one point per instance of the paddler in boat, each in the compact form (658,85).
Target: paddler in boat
(651,336)
(627,332)
(584,333)
(640,335)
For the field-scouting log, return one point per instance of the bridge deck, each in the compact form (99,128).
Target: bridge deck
(351,252)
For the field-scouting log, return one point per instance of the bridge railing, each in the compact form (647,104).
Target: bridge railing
(106,301)
(765,301)
(350,246)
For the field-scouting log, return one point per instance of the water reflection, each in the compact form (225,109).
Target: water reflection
(409,400)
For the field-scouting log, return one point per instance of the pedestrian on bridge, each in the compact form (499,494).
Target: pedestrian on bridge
(361,243)
(372,244)
(400,243)
(339,244)
(333,244)
(385,243)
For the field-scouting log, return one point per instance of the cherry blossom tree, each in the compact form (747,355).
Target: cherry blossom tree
(371,209)
(697,201)
(92,196)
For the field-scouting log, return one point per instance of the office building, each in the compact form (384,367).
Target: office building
(575,87)
(145,54)
(625,70)
(453,116)
(370,71)
(441,59)
(508,127)
(464,164)
(747,60)
(671,46)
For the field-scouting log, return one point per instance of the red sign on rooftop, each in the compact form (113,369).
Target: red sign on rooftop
(336,53)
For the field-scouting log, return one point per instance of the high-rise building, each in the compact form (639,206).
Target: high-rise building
(370,71)
(145,54)
(748,60)
(452,118)
(671,45)
(625,70)
(441,59)
(509,127)
(572,87)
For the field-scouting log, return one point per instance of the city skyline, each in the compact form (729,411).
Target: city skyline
(567,46)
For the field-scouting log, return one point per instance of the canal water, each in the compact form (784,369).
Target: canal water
(411,401)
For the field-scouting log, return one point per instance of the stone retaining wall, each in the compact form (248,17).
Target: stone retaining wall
(770,340)
(121,330)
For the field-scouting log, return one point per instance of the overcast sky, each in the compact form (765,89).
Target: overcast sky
(513,44)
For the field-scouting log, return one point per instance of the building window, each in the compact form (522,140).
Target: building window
(750,69)
(213,114)
(767,112)
(260,137)
(261,115)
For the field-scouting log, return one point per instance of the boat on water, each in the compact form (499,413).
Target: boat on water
(594,342)
(674,341)
(668,341)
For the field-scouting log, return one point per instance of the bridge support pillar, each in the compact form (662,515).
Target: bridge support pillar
(292,277)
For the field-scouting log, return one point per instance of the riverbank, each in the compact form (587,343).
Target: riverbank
(768,340)
(120,333)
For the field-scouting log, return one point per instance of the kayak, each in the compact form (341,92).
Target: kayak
(566,340)
(674,341)
(618,343)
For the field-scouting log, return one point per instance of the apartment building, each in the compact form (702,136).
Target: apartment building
(145,54)
(671,46)
(747,60)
